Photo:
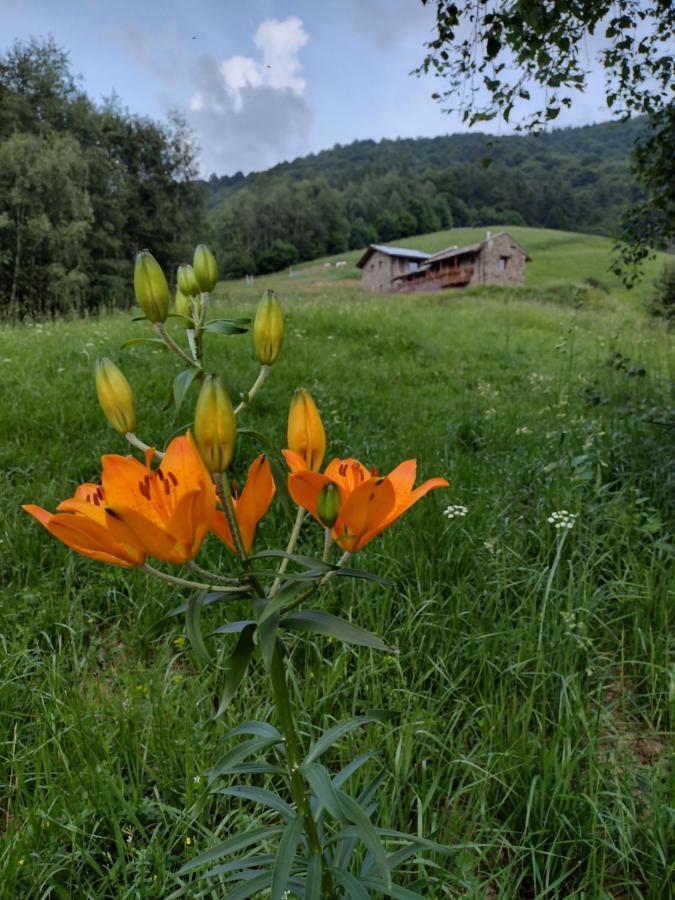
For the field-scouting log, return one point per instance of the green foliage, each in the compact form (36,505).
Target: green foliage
(82,189)
(351,196)
(663,301)
(545,769)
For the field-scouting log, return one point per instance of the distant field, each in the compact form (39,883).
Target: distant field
(559,258)
(534,676)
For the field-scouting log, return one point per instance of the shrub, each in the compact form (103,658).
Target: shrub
(663,300)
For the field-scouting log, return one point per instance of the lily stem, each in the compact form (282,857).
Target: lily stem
(282,702)
(184,582)
(141,445)
(247,399)
(290,547)
(172,345)
(224,492)
(191,564)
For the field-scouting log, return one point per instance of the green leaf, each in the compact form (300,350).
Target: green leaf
(237,865)
(343,572)
(344,774)
(319,622)
(267,636)
(237,665)
(391,890)
(193,627)
(283,864)
(232,845)
(353,887)
(309,562)
(225,326)
(333,734)
(319,780)
(251,888)
(257,769)
(233,627)
(423,842)
(314,875)
(213,597)
(181,383)
(238,754)
(353,813)
(261,796)
(258,729)
(134,341)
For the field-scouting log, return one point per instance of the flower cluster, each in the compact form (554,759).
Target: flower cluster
(455,512)
(562,519)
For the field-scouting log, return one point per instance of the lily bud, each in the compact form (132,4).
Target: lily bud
(115,395)
(182,304)
(306,435)
(206,268)
(268,330)
(151,287)
(328,504)
(187,281)
(215,424)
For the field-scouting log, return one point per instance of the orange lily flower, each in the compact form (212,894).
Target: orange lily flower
(369,503)
(250,506)
(137,511)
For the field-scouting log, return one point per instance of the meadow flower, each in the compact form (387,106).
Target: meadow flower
(249,507)
(306,435)
(369,503)
(136,511)
(523,430)
(455,512)
(562,519)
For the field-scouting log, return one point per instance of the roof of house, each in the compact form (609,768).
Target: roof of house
(470,249)
(391,251)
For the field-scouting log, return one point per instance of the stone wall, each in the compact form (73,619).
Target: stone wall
(377,273)
(500,261)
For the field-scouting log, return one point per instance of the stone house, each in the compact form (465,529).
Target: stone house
(382,264)
(499,259)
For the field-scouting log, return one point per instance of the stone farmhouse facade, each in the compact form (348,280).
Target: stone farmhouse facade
(498,259)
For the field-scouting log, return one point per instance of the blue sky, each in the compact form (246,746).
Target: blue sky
(259,80)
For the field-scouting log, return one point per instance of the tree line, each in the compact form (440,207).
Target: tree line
(575,179)
(83,187)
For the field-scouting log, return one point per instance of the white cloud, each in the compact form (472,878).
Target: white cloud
(251,113)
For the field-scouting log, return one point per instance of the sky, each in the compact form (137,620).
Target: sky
(260,81)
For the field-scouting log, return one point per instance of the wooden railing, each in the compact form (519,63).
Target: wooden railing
(435,281)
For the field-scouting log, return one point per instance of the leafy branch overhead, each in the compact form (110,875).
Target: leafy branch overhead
(526,61)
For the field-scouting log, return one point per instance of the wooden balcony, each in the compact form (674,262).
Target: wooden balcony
(434,281)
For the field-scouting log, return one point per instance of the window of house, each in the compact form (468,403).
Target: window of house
(503,261)
(412,266)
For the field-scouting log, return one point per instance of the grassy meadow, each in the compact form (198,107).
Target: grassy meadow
(534,677)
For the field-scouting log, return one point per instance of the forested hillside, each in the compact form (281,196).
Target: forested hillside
(575,179)
(82,188)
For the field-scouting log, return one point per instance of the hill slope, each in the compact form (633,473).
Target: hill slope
(574,179)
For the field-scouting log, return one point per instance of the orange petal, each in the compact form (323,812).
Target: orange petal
(221,528)
(255,499)
(366,508)
(125,483)
(294,461)
(188,525)
(348,474)
(403,476)
(404,502)
(304,488)
(153,537)
(88,537)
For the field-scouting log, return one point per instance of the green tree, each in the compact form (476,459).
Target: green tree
(507,48)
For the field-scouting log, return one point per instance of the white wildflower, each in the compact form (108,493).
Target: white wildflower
(562,519)
(523,430)
(490,413)
(196,778)
(455,512)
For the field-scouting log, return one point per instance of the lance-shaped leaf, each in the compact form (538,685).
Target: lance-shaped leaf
(344,774)
(267,636)
(283,863)
(132,342)
(238,754)
(232,845)
(319,622)
(226,326)
(395,891)
(251,888)
(357,815)
(324,790)
(333,734)
(353,887)
(239,865)
(193,627)
(214,597)
(237,665)
(255,728)
(233,627)
(314,876)
(261,796)
(181,383)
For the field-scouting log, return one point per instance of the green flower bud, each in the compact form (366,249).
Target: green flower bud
(150,287)
(328,504)
(187,281)
(215,424)
(182,304)
(115,395)
(206,269)
(268,330)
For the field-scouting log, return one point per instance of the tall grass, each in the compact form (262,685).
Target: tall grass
(534,676)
